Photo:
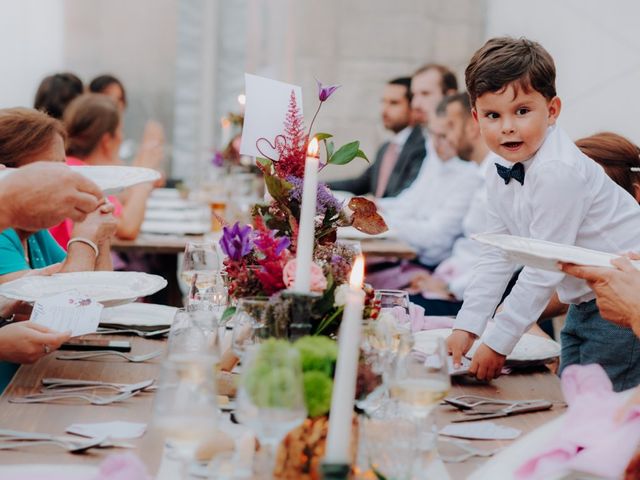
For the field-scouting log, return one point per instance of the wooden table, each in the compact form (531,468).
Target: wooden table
(53,418)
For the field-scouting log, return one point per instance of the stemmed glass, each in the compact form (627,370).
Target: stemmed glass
(249,325)
(271,396)
(185,409)
(193,334)
(389,299)
(200,269)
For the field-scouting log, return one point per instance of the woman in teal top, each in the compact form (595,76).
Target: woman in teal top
(27,136)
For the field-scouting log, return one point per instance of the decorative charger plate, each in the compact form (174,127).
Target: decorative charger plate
(545,255)
(529,349)
(108,288)
(139,314)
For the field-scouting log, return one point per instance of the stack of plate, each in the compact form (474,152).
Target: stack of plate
(169,214)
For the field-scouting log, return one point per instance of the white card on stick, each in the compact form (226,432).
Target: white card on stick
(267,102)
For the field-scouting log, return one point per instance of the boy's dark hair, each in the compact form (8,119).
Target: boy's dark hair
(448,79)
(403,82)
(506,60)
(462,98)
(56,92)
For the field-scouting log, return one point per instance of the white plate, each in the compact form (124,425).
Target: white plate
(108,288)
(197,214)
(139,315)
(543,254)
(110,179)
(171,203)
(48,472)
(176,228)
(530,348)
(165,193)
(355,234)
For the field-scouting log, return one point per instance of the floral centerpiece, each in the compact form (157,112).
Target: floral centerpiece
(260,258)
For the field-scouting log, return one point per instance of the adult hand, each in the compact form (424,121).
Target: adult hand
(459,343)
(99,226)
(486,363)
(18,309)
(26,342)
(43,194)
(617,290)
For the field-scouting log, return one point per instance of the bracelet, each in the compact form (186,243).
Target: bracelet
(86,241)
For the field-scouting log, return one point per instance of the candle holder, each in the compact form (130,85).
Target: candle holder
(335,471)
(300,312)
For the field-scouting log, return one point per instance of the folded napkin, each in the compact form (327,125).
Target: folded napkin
(416,320)
(125,466)
(591,440)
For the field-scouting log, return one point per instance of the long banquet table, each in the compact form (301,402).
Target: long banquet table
(54,418)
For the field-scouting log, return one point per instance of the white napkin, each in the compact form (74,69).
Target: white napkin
(480,431)
(113,430)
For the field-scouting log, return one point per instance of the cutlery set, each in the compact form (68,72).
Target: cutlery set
(476,408)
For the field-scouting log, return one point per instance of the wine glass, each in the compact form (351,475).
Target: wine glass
(185,409)
(420,378)
(193,333)
(271,396)
(200,267)
(248,324)
(389,299)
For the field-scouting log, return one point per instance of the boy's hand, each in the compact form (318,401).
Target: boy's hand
(459,343)
(486,363)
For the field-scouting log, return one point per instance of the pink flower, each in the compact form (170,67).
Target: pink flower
(318,281)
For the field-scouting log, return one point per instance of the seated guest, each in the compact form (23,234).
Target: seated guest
(56,92)
(27,136)
(398,161)
(94,134)
(151,151)
(441,292)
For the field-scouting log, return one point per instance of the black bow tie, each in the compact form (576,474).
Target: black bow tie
(516,172)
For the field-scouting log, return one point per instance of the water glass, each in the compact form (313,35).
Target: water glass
(249,325)
(200,259)
(389,299)
(193,333)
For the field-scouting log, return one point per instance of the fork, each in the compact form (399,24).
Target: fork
(80,386)
(140,333)
(72,446)
(92,399)
(102,353)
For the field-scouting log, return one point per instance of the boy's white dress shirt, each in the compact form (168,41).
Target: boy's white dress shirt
(566,198)
(431,218)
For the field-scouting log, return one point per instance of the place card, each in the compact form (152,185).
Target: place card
(267,102)
(480,431)
(117,430)
(68,312)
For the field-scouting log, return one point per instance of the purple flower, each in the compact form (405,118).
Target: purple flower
(218,159)
(325,92)
(236,241)
(324,198)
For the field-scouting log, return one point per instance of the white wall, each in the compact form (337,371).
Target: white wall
(596,47)
(31,39)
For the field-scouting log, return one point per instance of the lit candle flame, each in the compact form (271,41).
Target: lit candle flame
(357,273)
(225,122)
(312,150)
(242,99)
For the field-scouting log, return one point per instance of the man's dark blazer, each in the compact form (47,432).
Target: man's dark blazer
(404,172)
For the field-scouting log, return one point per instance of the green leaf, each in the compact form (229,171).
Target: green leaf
(330,146)
(277,187)
(361,154)
(322,136)
(265,162)
(345,153)
(227,314)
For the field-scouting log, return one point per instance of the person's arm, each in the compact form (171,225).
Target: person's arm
(99,227)
(104,261)
(435,234)
(133,210)
(61,194)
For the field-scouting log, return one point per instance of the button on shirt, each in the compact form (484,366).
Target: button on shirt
(430,216)
(566,198)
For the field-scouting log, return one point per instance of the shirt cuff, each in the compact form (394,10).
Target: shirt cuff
(500,341)
(469,325)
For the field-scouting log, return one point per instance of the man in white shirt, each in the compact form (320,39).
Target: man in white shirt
(441,293)
(543,188)
(398,161)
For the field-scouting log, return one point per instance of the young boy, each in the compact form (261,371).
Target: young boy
(543,187)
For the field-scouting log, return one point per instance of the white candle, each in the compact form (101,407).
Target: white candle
(306,230)
(242,100)
(344,384)
(225,138)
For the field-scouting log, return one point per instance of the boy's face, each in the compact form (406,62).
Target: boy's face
(513,122)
